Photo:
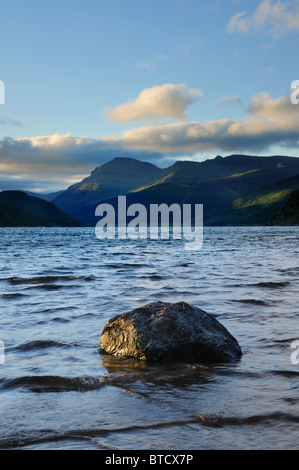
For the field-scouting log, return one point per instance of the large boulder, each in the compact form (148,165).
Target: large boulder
(162,331)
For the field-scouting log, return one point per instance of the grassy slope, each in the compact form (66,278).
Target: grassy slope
(257,206)
(289,213)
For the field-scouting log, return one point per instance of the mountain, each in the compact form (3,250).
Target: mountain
(117,177)
(17,209)
(255,207)
(215,183)
(289,212)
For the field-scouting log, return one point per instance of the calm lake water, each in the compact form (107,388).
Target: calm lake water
(58,287)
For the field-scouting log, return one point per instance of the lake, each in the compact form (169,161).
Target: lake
(59,286)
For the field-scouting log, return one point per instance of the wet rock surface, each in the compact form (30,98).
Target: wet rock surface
(161,331)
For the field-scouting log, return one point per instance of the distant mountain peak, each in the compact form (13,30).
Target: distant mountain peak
(182,164)
(123,164)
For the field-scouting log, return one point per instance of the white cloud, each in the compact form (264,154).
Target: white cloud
(279,110)
(237,23)
(229,99)
(276,15)
(167,100)
(53,141)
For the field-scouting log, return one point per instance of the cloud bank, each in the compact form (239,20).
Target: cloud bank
(269,122)
(65,159)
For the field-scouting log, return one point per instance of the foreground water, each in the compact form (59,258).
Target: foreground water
(58,287)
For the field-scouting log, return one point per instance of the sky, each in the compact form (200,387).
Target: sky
(159,80)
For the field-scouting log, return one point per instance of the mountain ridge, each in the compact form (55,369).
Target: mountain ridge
(222,184)
(213,182)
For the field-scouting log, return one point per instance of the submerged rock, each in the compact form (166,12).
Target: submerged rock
(162,331)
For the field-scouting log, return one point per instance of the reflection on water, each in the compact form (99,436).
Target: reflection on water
(58,287)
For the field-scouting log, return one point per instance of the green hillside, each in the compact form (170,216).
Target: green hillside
(289,212)
(255,207)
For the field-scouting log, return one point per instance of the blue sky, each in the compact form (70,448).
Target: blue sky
(157,80)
